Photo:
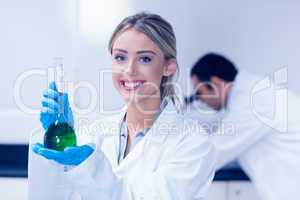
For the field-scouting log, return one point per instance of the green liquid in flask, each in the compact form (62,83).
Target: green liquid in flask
(59,136)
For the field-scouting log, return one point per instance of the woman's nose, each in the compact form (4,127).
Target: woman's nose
(131,68)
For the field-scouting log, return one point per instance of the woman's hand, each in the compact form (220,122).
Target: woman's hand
(70,155)
(53,104)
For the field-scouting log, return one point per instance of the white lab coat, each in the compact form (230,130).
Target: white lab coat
(170,162)
(255,134)
(207,117)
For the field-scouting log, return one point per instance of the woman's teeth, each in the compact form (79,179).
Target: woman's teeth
(132,85)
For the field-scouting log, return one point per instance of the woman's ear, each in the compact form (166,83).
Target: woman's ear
(170,67)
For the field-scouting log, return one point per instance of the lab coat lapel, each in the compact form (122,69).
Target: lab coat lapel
(152,142)
(163,125)
(111,143)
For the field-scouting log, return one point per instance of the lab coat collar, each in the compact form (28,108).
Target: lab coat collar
(161,126)
(155,136)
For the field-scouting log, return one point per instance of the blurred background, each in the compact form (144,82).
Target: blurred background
(259,36)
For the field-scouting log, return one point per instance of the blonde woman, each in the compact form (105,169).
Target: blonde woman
(148,150)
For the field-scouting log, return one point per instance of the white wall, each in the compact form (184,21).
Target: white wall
(260,36)
(13,189)
(257,35)
(32,32)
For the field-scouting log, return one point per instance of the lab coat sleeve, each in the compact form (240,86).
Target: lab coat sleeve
(185,175)
(238,130)
(94,178)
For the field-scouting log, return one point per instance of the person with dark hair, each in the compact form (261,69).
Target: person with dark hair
(235,108)
(214,65)
(211,75)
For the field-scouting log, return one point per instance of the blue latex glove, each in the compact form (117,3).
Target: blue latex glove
(53,104)
(70,155)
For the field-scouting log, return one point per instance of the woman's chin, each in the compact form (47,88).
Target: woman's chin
(129,99)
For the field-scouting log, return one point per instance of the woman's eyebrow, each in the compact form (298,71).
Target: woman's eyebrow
(122,50)
(146,51)
(138,52)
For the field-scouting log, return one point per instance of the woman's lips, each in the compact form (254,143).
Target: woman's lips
(131,85)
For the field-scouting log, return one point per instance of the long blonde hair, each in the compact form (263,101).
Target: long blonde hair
(161,33)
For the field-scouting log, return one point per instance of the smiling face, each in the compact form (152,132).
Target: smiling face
(138,66)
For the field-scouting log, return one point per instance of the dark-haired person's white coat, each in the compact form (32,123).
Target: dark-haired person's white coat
(260,127)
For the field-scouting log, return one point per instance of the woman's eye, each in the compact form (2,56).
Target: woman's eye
(119,58)
(145,59)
